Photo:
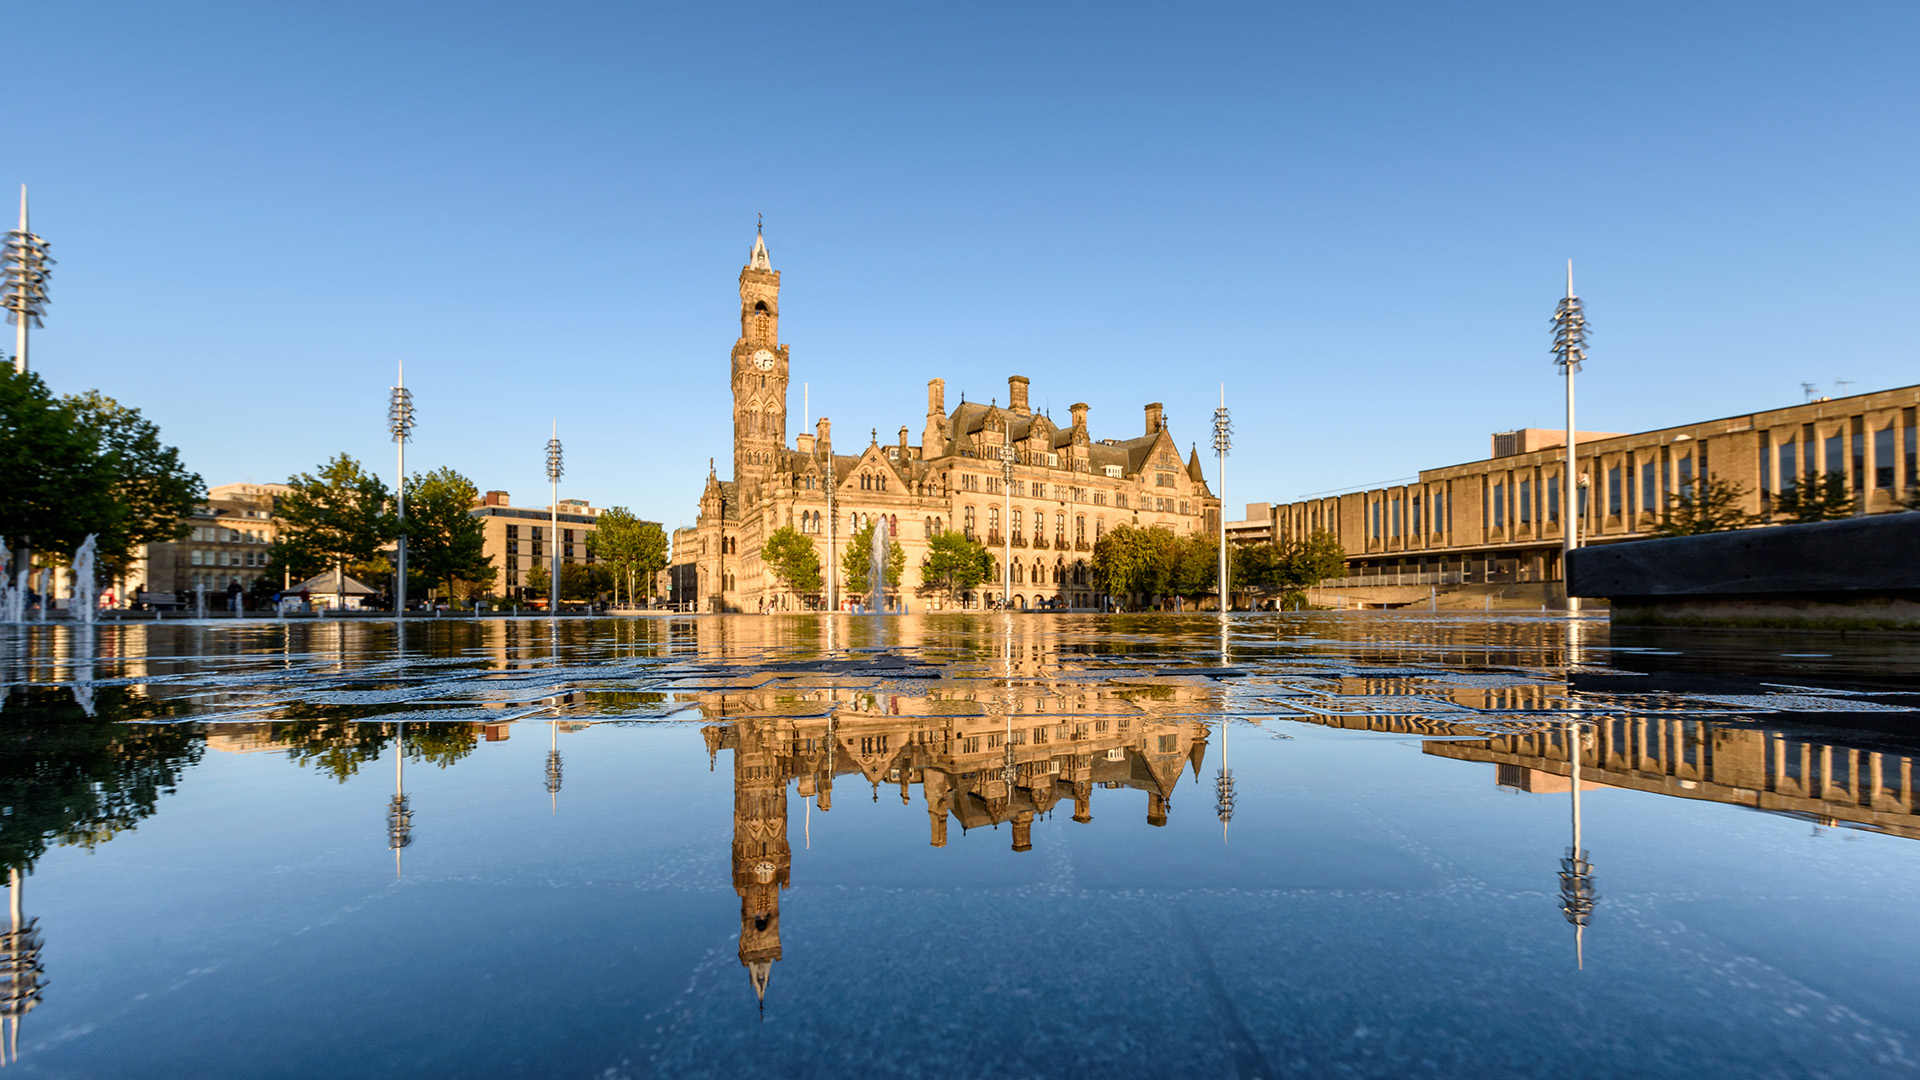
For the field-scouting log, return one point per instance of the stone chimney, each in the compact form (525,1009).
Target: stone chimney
(494,498)
(1023,831)
(805,442)
(1156,418)
(823,431)
(1017,395)
(1082,800)
(939,823)
(933,441)
(903,445)
(1156,810)
(1080,416)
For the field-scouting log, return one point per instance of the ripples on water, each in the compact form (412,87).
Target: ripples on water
(990,846)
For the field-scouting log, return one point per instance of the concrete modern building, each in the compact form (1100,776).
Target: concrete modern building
(522,537)
(1498,520)
(1067,487)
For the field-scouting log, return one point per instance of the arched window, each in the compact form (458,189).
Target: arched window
(939,526)
(993,518)
(929,528)
(1019,578)
(969,520)
(762,321)
(883,481)
(1080,528)
(1059,573)
(1060,528)
(1014,522)
(1099,528)
(893,524)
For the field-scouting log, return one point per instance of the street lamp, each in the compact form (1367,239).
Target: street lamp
(1222,442)
(400,423)
(399,808)
(1569,350)
(1006,526)
(555,467)
(23,282)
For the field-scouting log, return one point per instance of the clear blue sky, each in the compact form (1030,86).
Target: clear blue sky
(1354,216)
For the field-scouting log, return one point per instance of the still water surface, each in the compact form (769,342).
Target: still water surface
(1339,844)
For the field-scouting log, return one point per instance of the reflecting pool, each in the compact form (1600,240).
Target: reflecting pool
(1372,844)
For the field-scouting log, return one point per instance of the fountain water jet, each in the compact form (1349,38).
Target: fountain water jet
(877,569)
(85,588)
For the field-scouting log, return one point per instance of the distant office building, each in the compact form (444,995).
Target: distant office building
(228,543)
(522,537)
(1257,527)
(1498,520)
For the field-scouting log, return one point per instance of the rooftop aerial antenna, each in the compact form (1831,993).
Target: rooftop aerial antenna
(1843,384)
(1569,351)
(1809,389)
(24,269)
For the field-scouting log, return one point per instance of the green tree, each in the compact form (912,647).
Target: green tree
(445,542)
(584,581)
(1132,561)
(1194,566)
(1707,506)
(955,564)
(856,561)
(635,550)
(540,581)
(151,492)
(338,519)
(1817,497)
(1308,561)
(54,490)
(792,558)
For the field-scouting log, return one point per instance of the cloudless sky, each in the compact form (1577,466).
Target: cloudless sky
(1356,216)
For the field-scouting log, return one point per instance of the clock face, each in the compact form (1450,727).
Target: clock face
(763,360)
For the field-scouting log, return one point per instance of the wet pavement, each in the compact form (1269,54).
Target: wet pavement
(1027,845)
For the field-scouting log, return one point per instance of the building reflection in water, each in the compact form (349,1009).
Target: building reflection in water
(21,974)
(986,757)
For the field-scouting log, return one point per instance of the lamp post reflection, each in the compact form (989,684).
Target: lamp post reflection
(399,812)
(20,969)
(1576,871)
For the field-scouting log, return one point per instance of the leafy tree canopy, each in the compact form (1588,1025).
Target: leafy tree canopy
(445,542)
(337,517)
(792,558)
(955,564)
(635,550)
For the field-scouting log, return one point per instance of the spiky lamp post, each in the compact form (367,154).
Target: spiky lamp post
(1569,350)
(20,969)
(400,423)
(399,811)
(1222,442)
(555,467)
(24,264)
(1576,870)
(24,269)
(1006,527)
(553,765)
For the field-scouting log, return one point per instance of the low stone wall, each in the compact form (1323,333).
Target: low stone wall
(1862,573)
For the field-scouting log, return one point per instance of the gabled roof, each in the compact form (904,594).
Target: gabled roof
(328,584)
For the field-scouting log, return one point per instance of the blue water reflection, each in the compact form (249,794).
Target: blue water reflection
(994,846)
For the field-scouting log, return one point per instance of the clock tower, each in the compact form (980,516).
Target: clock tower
(759,374)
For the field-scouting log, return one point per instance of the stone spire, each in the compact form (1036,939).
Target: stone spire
(1193,466)
(758,259)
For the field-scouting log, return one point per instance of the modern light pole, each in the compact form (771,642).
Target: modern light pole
(400,423)
(23,275)
(399,809)
(1006,527)
(1569,349)
(23,278)
(1222,442)
(555,467)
